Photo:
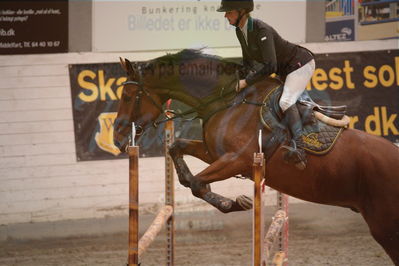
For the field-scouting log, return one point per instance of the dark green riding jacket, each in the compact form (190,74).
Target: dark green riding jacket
(273,53)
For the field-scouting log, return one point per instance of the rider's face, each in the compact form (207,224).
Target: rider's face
(232,16)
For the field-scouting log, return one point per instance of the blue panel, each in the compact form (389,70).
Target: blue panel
(343,30)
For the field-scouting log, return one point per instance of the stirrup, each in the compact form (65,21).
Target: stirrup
(291,148)
(294,155)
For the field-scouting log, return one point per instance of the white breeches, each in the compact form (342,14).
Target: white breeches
(295,84)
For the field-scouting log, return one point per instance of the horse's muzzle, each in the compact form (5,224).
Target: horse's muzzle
(118,145)
(120,141)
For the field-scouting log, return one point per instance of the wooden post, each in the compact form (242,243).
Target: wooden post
(169,194)
(258,219)
(138,247)
(133,255)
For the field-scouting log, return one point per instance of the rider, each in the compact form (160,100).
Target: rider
(261,43)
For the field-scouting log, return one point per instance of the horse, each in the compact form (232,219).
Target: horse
(360,172)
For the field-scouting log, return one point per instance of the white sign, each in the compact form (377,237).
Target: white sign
(165,25)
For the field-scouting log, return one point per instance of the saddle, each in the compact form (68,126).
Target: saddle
(318,136)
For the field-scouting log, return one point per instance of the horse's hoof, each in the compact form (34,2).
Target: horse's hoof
(244,202)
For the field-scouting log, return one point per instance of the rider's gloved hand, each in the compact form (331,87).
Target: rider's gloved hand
(241,84)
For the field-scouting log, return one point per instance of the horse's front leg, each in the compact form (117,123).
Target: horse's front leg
(182,147)
(194,148)
(221,169)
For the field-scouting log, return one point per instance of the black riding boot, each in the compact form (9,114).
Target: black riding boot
(295,153)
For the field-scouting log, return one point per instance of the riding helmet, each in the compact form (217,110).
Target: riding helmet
(229,5)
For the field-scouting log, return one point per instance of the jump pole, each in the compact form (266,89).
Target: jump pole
(165,216)
(278,230)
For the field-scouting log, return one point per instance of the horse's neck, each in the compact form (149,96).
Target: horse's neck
(208,106)
(201,107)
(184,98)
(204,106)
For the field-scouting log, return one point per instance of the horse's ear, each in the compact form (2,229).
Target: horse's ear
(130,68)
(123,63)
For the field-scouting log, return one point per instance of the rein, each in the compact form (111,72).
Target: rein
(171,114)
(143,92)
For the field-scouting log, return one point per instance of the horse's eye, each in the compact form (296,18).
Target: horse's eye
(126,98)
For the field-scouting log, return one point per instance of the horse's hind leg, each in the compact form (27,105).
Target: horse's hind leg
(382,218)
(393,252)
(387,235)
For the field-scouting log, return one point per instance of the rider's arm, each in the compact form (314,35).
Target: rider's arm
(268,59)
(247,61)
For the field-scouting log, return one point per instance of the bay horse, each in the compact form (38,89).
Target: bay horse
(361,172)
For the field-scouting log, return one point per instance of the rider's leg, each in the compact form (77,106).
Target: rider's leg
(293,87)
(296,153)
(295,84)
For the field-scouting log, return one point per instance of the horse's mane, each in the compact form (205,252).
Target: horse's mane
(193,72)
(186,55)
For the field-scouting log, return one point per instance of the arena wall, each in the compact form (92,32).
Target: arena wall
(41,180)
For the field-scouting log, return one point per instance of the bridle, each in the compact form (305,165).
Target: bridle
(170,114)
(141,91)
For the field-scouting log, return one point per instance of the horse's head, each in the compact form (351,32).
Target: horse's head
(198,80)
(138,104)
